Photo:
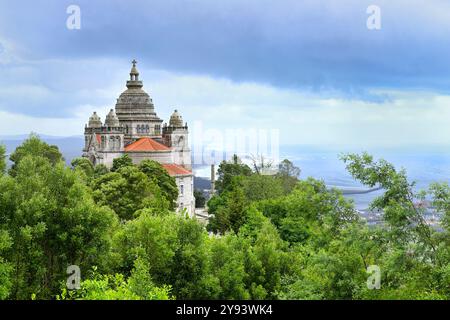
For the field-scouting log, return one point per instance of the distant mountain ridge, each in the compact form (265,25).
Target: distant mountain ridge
(70,147)
(42,136)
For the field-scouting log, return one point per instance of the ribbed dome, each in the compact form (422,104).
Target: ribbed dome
(95,121)
(176,120)
(134,100)
(134,104)
(111,119)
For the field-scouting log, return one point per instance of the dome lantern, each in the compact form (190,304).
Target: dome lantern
(112,120)
(134,82)
(134,73)
(95,121)
(175,119)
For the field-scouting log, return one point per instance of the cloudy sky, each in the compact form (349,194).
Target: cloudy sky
(309,68)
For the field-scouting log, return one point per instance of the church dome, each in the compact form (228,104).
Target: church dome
(95,121)
(134,104)
(111,119)
(176,120)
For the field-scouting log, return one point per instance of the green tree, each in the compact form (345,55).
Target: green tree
(398,202)
(5,266)
(126,191)
(200,200)
(415,257)
(226,264)
(139,286)
(287,168)
(53,222)
(228,170)
(34,146)
(152,238)
(123,161)
(267,260)
(83,164)
(261,187)
(174,249)
(310,211)
(228,209)
(2,160)
(441,201)
(161,177)
(189,263)
(99,170)
(288,174)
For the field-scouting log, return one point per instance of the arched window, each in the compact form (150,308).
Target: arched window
(111,143)
(180,141)
(147,129)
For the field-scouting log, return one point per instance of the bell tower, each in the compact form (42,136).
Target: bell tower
(175,136)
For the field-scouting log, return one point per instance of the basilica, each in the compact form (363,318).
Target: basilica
(134,128)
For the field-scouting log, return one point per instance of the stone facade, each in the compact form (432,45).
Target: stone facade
(134,128)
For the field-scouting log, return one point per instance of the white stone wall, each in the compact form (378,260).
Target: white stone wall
(186,198)
(179,141)
(183,158)
(161,157)
(108,158)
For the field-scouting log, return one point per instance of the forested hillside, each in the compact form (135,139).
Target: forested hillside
(282,236)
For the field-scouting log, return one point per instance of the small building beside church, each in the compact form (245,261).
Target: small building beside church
(134,128)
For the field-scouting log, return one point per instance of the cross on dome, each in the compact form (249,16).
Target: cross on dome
(134,73)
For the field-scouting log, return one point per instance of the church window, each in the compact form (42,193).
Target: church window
(180,141)
(182,190)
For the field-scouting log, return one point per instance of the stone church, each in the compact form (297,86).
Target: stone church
(134,128)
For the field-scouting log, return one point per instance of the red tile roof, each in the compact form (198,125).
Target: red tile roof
(146,144)
(176,170)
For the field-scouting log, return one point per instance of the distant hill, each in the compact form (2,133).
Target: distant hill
(202,183)
(70,147)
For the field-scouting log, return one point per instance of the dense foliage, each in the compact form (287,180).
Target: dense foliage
(200,199)
(270,237)
(2,159)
